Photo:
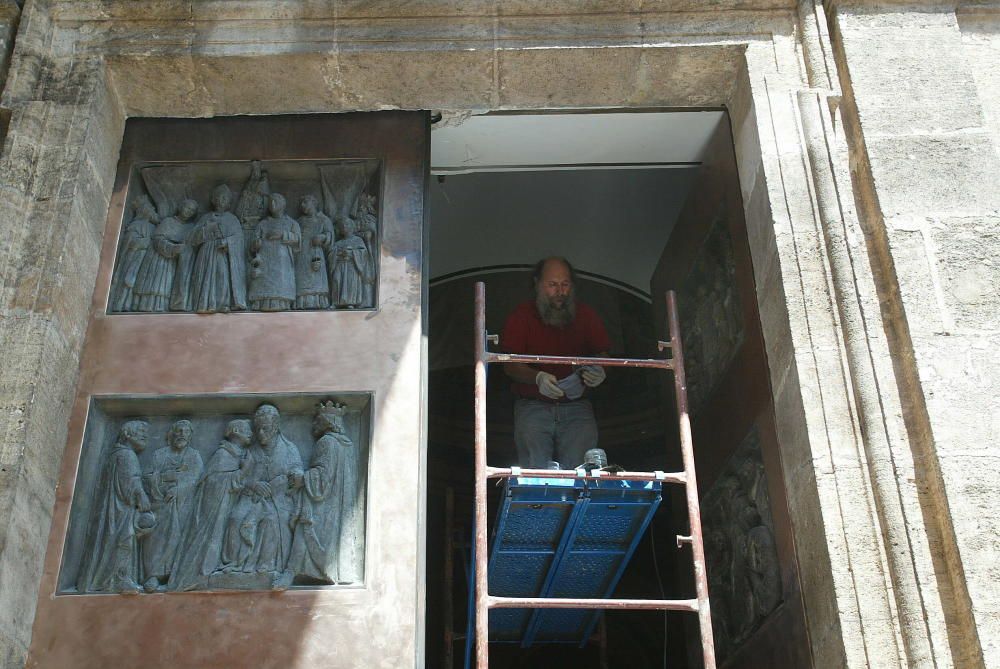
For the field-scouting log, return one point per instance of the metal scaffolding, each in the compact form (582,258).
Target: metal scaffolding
(483,600)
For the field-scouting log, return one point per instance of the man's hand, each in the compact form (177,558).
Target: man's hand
(593,375)
(548,385)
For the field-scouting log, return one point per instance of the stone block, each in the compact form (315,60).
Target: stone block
(981,48)
(966,250)
(686,76)
(12,653)
(914,274)
(416,79)
(521,32)
(928,175)
(175,74)
(571,7)
(350,9)
(285,84)
(909,81)
(552,78)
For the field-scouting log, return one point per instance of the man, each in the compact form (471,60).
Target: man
(551,420)
(112,561)
(259,533)
(176,469)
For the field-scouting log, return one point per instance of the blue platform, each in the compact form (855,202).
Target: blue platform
(563,538)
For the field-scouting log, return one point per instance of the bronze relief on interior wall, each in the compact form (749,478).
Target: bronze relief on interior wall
(185,494)
(710,313)
(210,237)
(744,576)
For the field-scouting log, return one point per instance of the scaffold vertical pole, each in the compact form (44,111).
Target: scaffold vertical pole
(691,484)
(481,583)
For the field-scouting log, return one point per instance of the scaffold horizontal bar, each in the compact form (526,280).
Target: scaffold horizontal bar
(655,363)
(507,472)
(690,605)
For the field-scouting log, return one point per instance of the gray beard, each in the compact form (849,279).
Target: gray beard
(557,317)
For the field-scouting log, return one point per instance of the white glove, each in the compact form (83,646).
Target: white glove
(548,385)
(593,375)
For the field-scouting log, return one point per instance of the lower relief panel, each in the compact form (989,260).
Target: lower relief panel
(219,493)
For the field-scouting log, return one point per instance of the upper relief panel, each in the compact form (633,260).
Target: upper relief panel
(211,237)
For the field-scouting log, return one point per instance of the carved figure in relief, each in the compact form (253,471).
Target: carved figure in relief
(253,202)
(272,265)
(218,281)
(311,277)
(368,231)
(214,498)
(164,277)
(136,239)
(121,517)
(258,534)
(176,469)
(743,568)
(351,267)
(328,532)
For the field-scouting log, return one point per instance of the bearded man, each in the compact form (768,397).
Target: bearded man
(552,418)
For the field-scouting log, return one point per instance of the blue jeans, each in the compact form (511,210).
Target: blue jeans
(561,431)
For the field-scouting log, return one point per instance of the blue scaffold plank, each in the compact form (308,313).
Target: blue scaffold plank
(563,538)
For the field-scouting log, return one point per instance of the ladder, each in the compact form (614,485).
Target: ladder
(483,600)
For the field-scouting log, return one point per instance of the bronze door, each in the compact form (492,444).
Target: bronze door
(312,303)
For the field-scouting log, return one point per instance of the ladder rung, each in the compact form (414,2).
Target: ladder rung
(657,363)
(690,605)
(507,472)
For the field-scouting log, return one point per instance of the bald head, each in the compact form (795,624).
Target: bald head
(554,278)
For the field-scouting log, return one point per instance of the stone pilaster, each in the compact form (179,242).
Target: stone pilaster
(928,189)
(55,181)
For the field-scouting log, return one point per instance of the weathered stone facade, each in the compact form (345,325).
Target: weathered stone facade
(868,146)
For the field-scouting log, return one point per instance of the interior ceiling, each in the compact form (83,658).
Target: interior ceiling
(604,189)
(499,142)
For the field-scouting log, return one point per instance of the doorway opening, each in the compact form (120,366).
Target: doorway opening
(640,202)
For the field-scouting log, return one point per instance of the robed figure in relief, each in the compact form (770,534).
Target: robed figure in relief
(252,203)
(164,279)
(136,239)
(272,264)
(328,524)
(368,231)
(258,535)
(121,517)
(217,492)
(171,483)
(311,278)
(351,267)
(218,281)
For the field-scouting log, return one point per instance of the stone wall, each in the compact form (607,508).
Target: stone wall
(866,140)
(921,94)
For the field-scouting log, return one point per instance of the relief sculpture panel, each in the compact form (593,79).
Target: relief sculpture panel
(219,499)
(710,314)
(214,237)
(743,570)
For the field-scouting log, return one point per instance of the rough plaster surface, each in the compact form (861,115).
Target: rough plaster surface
(880,324)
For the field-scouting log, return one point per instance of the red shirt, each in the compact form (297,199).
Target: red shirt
(524,332)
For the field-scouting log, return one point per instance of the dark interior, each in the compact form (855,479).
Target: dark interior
(703,256)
